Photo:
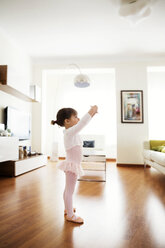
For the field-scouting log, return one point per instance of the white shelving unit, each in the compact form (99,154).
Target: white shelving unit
(4,86)
(10,164)
(28,164)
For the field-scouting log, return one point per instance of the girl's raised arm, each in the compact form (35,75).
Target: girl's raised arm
(83,122)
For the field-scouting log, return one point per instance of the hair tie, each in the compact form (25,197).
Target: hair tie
(53,122)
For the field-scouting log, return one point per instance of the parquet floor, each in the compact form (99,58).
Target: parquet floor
(128,211)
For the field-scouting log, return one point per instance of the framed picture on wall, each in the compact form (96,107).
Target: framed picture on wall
(132,106)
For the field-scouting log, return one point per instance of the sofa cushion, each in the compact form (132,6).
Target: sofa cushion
(158,148)
(158,157)
(154,143)
(163,150)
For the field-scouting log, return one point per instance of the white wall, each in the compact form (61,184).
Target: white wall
(130,136)
(19,76)
(130,75)
(37,109)
(18,62)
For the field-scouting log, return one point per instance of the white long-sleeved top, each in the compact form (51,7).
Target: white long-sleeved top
(71,136)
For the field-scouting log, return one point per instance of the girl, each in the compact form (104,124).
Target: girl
(67,117)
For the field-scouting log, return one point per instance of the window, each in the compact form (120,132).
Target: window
(156,93)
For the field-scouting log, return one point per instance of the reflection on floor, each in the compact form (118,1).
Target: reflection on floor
(128,210)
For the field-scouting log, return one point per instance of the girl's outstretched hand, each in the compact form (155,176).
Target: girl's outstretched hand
(93,110)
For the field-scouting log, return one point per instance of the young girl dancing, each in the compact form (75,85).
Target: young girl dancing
(68,118)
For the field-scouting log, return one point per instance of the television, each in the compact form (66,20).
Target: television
(89,143)
(19,122)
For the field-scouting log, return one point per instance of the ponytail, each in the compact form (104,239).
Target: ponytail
(53,122)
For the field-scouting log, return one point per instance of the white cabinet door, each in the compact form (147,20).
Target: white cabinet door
(9,148)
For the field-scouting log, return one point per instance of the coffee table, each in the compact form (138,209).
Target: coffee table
(94,158)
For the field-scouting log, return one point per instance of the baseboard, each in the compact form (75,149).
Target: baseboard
(110,159)
(107,159)
(132,165)
(61,158)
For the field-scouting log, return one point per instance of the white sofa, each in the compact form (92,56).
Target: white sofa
(153,158)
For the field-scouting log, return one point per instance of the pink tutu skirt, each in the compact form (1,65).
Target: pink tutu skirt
(73,161)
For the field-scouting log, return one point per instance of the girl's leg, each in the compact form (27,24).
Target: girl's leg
(71,179)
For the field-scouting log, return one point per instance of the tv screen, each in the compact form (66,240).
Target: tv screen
(18,122)
(89,143)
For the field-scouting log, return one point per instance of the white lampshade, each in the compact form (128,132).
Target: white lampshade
(81,81)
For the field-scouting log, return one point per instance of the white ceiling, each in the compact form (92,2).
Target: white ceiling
(81,28)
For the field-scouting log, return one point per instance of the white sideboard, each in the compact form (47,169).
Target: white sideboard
(11,165)
(28,164)
(9,148)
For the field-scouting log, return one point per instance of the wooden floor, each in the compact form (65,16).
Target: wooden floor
(128,210)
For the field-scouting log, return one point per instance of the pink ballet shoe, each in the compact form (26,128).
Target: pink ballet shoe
(75,219)
(74,211)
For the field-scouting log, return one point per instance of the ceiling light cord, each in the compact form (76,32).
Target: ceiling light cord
(75,65)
